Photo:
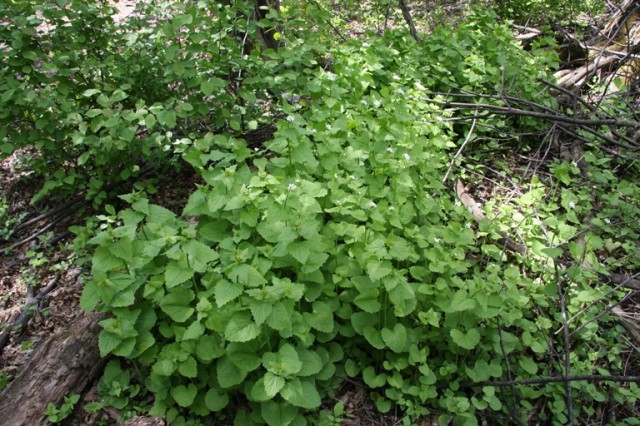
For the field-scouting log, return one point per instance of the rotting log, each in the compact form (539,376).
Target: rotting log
(64,363)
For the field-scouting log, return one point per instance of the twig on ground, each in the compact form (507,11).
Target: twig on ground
(26,313)
(455,157)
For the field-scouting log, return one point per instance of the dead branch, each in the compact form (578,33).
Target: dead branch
(473,207)
(27,311)
(407,17)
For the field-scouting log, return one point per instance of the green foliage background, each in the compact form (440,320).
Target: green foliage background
(332,252)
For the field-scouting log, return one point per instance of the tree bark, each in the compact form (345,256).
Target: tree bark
(63,364)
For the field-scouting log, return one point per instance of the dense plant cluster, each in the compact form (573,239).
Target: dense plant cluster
(332,251)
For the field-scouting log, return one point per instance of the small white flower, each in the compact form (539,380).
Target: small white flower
(371,204)
(314,131)
(297,180)
(364,102)
(396,77)
(377,103)
(406,156)
(468,225)
(292,187)
(290,118)
(572,204)
(256,149)
(400,92)
(607,221)
(329,127)
(331,77)
(365,44)
(457,203)
(391,208)
(390,150)
(437,240)
(574,164)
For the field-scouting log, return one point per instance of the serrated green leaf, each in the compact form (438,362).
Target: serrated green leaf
(226,291)
(244,355)
(467,340)
(241,328)
(400,249)
(194,331)
(301,393)
(272,384)
(108,342)
(278,413)
(261,311)
(311,362)
(216,230)
(199,255)
(184,395)
(246,275)
(90,296)
(552,252)
(461,301)
(285,362)
(378,269)
(177,305)
(177,273)
(103,261)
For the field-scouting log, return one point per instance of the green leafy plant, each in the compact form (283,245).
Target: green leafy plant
(56,415)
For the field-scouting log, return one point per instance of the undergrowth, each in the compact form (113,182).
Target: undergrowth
(336,250)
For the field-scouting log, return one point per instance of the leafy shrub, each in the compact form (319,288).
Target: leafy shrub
(333,250)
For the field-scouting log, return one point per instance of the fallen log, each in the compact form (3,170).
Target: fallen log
(63,364)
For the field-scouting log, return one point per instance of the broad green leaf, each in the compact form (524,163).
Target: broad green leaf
(261,311)
(246,275)
(528,365)
(209,347)
(400,249)
(373,336)
(278,413)
(395,339)
(189,367)
(215,401)
(184,395)
(241,328)
(199,255)
(372,379)
(285,362)
(103,261)
(226,291)
(177,305)
(216,230)
(244,355)
(321,317)
(177,273)
(461,301)
(311,362)
(228,374)
(194,331)
(467,340)
(553,252)
(378,269)
(272,384)
(107,342)
(301,393)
